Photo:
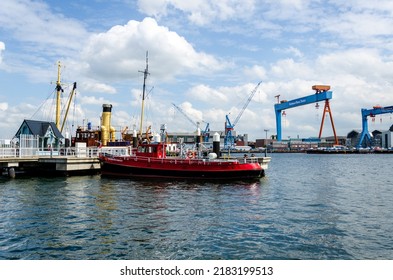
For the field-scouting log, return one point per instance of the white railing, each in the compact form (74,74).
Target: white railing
(8,152)
(90,152)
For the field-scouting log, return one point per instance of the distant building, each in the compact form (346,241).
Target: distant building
(377,135)
(353,138)
(387,138)
(187,137)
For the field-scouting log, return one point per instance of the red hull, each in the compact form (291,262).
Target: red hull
(137,166)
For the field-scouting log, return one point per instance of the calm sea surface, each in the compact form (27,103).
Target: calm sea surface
(307,207)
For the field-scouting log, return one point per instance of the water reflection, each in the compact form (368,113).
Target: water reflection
(305,208)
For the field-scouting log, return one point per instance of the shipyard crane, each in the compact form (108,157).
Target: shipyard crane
(365,137)
(229,126)
(322,93)
(205,132)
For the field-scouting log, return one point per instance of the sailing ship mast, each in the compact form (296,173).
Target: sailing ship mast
(58,95)
(59,90)
(145,73)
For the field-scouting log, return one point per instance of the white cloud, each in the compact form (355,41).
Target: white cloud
(256,71)
(14,116)
(92,100)
(189,113)
(3,106)
(363,62)
(355,27)
(34,22)
(95,86)
(289,69)
(289,50)
(384,6)
(2,48)
(206,94)
(200,12)
(120,52)
(153,8)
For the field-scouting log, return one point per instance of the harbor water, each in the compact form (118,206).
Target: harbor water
(307,207)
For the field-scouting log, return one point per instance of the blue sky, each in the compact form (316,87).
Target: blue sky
(206,56)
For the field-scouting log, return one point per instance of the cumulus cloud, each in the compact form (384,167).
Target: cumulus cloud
(361,62)
(3,106)
(351,21)
(94,86)
(92,100)
(289,50)
(34,22)
(207,94)
(14,116)
(291,69)
(256,71)
(368,27)
(2,48)
(229,98)
(119,53)
(200,12)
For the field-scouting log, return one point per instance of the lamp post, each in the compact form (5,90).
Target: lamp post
(266,130)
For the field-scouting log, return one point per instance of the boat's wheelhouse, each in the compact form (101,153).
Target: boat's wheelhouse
(155,150)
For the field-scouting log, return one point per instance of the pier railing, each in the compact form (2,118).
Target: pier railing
(83,152)
(89,152)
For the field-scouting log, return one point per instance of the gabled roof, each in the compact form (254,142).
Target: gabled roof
(39,128)
(353,133)
(376,132)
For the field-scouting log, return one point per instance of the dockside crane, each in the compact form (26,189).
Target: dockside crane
(322,93)
(365,137)
(229,141)
(205,132)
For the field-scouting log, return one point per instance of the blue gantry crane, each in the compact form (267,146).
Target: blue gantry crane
(229,140)
(322,93)
(365,137)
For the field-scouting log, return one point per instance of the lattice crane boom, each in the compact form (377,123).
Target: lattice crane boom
(185,115)
(246,104)
(229,139)
(205,132)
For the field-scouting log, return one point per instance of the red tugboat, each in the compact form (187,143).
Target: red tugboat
(149,160)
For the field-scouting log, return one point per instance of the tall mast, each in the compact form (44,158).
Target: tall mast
(58,96)
(145,73)
(68,107)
